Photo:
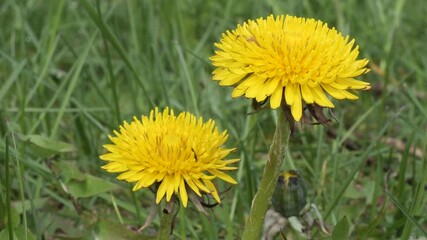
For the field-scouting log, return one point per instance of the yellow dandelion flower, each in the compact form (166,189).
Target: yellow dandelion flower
(289,60)
(175,154)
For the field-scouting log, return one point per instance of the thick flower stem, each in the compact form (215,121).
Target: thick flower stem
(268,182)
(165,229)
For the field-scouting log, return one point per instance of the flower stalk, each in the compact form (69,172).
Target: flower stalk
(268,182)
(166,219)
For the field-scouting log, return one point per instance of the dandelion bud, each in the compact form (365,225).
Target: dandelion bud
(289,197)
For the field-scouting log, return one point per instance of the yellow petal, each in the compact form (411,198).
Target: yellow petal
(338,85)
(276,97)
(320,97)
(137,186)
(351,83)
(231,161)
(349,95)
(271,86)
(261,96)
(213,190)
(232,79)
(176,182)
(161,191)
(227,168)
(250,81)
(254,90)
(115,167)
(201,186)
(148,179)
(289,94)
(238,92)
(306,94)
(170,187)
(193,186)
(183,193)
(126,175)
(335,93)
(223,176)
(296,107)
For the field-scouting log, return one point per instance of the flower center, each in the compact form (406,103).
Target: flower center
(170,140)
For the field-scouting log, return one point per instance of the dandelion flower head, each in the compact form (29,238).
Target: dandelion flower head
(289,60)
(176,155)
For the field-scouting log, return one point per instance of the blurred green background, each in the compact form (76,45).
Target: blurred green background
(72,71)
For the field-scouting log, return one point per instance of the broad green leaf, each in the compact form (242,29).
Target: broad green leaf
(16,220)
(4,234)
(80,184)
(69,170)
(67,228)
(90,186)
(20,206)
(18,233)
(45,147)
(365,191)
(341,230)
(111,230)
(14,127)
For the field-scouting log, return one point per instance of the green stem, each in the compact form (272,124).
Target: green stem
(268,182)
(165,229)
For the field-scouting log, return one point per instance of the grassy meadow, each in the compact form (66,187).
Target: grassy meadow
(72,71)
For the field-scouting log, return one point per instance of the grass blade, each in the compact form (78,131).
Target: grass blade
(8,184)
(74,77)
(406,213)
(113,40)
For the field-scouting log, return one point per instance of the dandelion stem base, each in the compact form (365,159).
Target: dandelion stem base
(268,182)
(166,219)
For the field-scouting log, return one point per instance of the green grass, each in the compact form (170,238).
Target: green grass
(72,71)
